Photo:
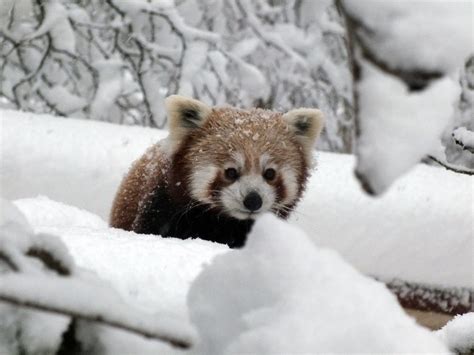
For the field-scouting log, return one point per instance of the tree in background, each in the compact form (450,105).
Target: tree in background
(117,60)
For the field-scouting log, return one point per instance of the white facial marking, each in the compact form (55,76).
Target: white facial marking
(200,180)
(291,184)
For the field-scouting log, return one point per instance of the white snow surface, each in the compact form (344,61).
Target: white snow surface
(130,261)
(282,294)
(458,333)
(77,162)
(398,127)
(434,35)
(420,230)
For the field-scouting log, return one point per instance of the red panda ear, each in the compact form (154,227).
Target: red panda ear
(184,115)
(307,124)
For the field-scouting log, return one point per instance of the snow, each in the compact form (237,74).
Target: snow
(33,284)
(280,291)
(464,137)
(428,35)
(422,223)
(421,230)
(63,100)
(167,266)
(42,211)
(398,127)
(417,231)
(111,82)
(78,162)
(458,333)
(56,22)
(73,295)
(273,300)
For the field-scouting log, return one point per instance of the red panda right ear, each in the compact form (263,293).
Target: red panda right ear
(184,115)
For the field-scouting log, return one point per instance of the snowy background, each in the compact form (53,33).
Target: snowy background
(82,85)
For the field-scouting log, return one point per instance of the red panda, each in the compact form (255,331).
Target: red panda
(218,170)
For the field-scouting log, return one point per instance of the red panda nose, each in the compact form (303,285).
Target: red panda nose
(253,201)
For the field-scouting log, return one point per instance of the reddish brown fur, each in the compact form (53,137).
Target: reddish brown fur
(226,130)
(145,175)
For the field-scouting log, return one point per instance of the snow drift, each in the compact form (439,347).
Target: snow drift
(271,296)
(281,294)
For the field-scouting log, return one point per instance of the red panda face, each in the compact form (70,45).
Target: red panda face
(241,163)
(243,185)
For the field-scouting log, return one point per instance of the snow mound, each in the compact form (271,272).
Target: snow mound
(458,334)
(281,294)
(139,266)
(43,212)
(79,162)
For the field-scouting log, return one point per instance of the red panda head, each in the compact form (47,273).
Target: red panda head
(240,163)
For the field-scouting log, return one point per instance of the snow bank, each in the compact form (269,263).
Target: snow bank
(293,291)
(281,294)
(74,161)
(139,266)
(420,230)
(42,211)
(420,34)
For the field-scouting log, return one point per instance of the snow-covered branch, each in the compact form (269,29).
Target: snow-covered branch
(56,286)
(464,138)
(60,296)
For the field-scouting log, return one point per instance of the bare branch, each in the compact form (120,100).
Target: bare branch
(455,168)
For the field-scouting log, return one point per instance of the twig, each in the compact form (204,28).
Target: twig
(59,309)
(455,168)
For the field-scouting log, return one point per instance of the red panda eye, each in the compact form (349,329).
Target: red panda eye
(231,174)
(269,174)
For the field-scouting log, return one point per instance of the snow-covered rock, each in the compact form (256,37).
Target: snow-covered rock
(281,294)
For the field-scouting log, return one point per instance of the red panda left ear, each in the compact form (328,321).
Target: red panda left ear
(307,124)
(184,115)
